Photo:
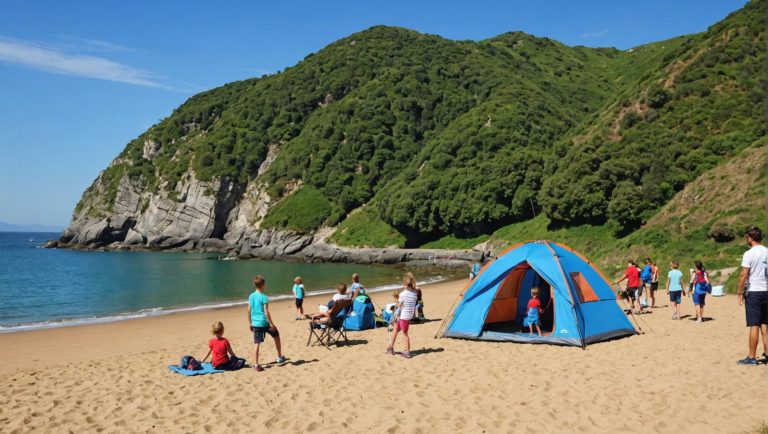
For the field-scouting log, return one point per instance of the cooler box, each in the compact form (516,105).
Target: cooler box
(717,291)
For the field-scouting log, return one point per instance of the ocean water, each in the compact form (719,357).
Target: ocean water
(43,288)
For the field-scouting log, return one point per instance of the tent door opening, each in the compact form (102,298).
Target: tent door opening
(509,306)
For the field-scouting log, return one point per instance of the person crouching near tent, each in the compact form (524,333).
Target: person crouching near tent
(632,276)
(407,305)
(534,310)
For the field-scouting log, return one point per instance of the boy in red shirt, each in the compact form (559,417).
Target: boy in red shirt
(534,309)
(219,346)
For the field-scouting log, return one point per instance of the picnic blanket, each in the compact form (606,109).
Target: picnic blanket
(207,369)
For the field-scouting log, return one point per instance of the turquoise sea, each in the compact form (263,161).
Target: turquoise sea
(43,288)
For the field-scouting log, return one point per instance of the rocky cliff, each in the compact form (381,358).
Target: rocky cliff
(391,138)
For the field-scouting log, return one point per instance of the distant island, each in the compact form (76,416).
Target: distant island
(393,139)
(8,227)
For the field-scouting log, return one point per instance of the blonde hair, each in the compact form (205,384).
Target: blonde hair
(396,294)
(409,280)
(258,281)
(355,277)
(342,288)
(297,280)
(217,328)
(534,291)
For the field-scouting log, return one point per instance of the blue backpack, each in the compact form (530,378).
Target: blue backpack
(189,362)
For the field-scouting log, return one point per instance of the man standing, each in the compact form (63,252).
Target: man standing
(753,293)
(654,283)
(646,275)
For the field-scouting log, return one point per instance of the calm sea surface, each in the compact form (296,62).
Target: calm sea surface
(42,288)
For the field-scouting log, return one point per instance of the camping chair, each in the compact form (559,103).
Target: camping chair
(331,331)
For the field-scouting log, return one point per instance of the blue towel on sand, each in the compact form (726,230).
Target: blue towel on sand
(207,369)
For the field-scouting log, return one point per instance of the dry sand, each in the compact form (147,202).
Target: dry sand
(679,376)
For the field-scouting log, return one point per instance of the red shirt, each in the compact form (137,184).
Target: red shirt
(534,302)
(633,276)
(218,351)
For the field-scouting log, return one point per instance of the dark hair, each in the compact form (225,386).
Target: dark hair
(755,233)
(647,260)
(698,265)
(341,288)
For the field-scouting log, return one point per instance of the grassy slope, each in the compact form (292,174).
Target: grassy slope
(733,194)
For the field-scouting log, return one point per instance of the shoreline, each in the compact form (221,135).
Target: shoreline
(152,312)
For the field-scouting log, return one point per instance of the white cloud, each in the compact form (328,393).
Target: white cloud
(594,35)
(57,61)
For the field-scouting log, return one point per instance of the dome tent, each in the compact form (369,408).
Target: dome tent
(578,302)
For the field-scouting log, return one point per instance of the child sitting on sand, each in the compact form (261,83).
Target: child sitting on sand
(534,309)
(298,295)
(393,310)
(407,305)
(221,349)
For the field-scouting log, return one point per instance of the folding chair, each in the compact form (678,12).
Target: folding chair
(331,331)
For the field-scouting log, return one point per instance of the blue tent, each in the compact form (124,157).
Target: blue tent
(361,317)
(579,306)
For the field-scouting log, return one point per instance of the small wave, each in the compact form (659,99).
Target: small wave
(159,311)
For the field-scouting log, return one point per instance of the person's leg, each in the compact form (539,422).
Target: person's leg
(530,328)
(407,342)
(764,331)
(754,335)
(674,310)
(393,337)
(256,354)
(653,294)
(538,329)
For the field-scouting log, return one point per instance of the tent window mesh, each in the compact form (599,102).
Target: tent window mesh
(583,288)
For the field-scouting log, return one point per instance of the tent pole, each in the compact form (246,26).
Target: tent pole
(442,324)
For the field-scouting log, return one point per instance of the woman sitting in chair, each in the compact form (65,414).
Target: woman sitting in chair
(341,294)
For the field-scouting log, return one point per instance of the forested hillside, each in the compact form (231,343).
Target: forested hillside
(392,137)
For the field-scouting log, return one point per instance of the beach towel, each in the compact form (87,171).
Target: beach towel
(207,369)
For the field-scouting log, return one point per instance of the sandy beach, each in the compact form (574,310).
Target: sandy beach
(679,376)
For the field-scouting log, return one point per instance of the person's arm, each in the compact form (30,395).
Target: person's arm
(706,276)
(622,279)
(250,327)
(667,285)
(743,276)
(269,317)
(230,350)
(206,356)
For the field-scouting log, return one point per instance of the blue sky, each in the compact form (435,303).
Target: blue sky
(80,79)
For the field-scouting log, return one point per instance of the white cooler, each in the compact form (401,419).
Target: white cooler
(717,291)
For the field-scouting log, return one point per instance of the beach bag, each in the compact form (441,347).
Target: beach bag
(189,362)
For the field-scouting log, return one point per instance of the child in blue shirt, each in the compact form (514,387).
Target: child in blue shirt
(298,296)
(675,288)
(261,322)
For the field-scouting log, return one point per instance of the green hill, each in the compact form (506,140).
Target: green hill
(396,138)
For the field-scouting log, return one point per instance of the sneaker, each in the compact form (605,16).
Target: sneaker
(390,350)
(747,361)
(765,358)
(258,368)
(699,320)
(280,359)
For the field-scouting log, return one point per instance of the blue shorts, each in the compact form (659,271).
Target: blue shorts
(299,302)
(698,298)
(676,296)
(756,307)
(259,332)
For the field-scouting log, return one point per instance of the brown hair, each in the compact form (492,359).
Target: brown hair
(342,288)
(396,294)
(355,277)
(535,291)
(409,280)
(258,281)
(217,328)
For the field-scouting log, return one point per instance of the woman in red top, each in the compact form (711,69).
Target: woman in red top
(221,349)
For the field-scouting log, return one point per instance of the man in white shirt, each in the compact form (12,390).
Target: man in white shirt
(753,293)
